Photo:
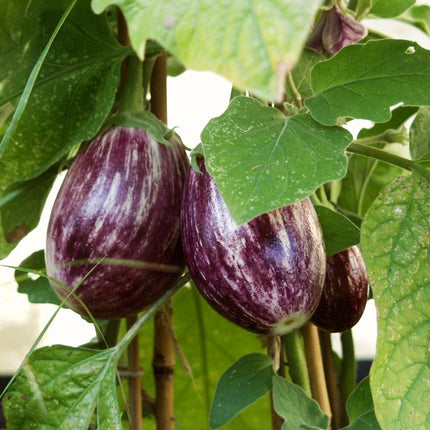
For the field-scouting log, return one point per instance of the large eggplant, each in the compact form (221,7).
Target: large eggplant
(345,292)
(121,200)
(266,275)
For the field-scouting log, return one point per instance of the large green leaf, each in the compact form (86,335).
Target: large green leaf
(396,243)
(365,80)
(59,387)
(253,44)
(262,160)
(296,407)
(241,385)
(73,93)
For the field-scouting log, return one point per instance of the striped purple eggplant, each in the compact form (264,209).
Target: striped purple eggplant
(266,275)
(120,200)
(345,292)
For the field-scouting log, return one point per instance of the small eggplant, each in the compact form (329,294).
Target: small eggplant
(120,200)
(265,275)
(345,292)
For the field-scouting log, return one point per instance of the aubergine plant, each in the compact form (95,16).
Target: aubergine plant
(220,263)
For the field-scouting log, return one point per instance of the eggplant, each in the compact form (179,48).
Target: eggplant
(345,292)
(265,275)
(120,200)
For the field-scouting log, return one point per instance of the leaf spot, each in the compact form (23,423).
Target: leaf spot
(410,50)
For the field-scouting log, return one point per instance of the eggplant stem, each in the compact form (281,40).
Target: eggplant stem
(315,366)
(296,359)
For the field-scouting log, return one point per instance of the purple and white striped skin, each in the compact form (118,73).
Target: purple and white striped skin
(120,199)
(345,292)
(266,275)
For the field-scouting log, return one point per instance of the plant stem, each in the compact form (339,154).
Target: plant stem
(348,371)
(331,378)
(292,86)
(158,88)
(134,385)
(131,85)
(386,157)
(315,366)
(296,359)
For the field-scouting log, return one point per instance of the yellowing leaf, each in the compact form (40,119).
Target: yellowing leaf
(251,43)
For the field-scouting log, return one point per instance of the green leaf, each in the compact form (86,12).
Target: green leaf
(360,401)
(262,160)
(20,208)
(364,80)
(395,243)
(339,232)
(389,9)
(33,282)
(360,408)
(398,118)
(418,16)
(241,385)
(296,407)
(420,134)
(366,421)
(364,180)
(253,44)
(59,387)
(73,93)
(301,73)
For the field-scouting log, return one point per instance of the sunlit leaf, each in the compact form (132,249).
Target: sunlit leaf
(395,244)
(262,160)
(253,44)
(60,387)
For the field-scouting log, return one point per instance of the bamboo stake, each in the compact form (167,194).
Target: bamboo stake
(134,384)
(315,366)
(164,349)
(163,366)
(275,351)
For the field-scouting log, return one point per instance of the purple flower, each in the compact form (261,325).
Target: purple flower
(335,30)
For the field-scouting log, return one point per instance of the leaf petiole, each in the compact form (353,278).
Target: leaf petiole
(381,155)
